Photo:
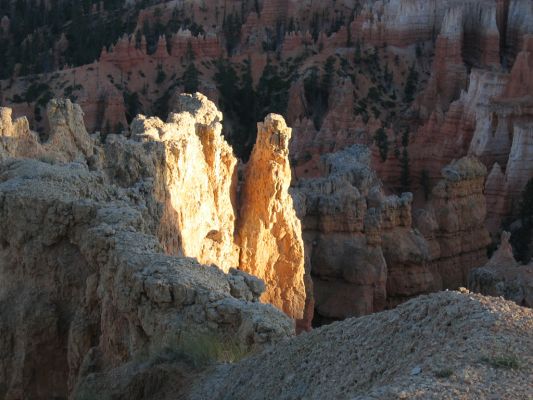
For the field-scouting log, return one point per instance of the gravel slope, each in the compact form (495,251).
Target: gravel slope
(448,345)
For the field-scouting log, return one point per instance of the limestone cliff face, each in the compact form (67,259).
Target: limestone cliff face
(403,22)
(269,231)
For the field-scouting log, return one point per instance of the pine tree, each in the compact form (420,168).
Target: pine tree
(357,57)
(425,183)
(382,141)
(190,79)
(405,176)
(411,84)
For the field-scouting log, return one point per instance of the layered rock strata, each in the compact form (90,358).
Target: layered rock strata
(363,252)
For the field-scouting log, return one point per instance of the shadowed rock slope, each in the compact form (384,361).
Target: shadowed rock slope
(447,345)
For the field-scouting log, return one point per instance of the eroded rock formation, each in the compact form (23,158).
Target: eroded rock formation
(68,140)
(362,250)
(258,233)
(194,178)
(88,287)
(454,222)
(269,231)
(357,239)
(504,276)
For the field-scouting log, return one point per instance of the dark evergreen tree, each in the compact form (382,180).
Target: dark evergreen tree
(411,85)
(317,90)
(425,182)
(382,141)
(133,105)
(405,178)
(232,31)
(190,78)
(521,237)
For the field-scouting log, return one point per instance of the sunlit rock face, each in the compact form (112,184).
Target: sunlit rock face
(269,231)
(193,177)
(186,175)
(196,182)
(16,138)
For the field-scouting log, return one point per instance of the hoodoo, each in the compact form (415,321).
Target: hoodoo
(270,235)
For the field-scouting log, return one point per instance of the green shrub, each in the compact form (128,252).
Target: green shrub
(190,79)
(444,373)
(201,349)
(411,85)
(503,361)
